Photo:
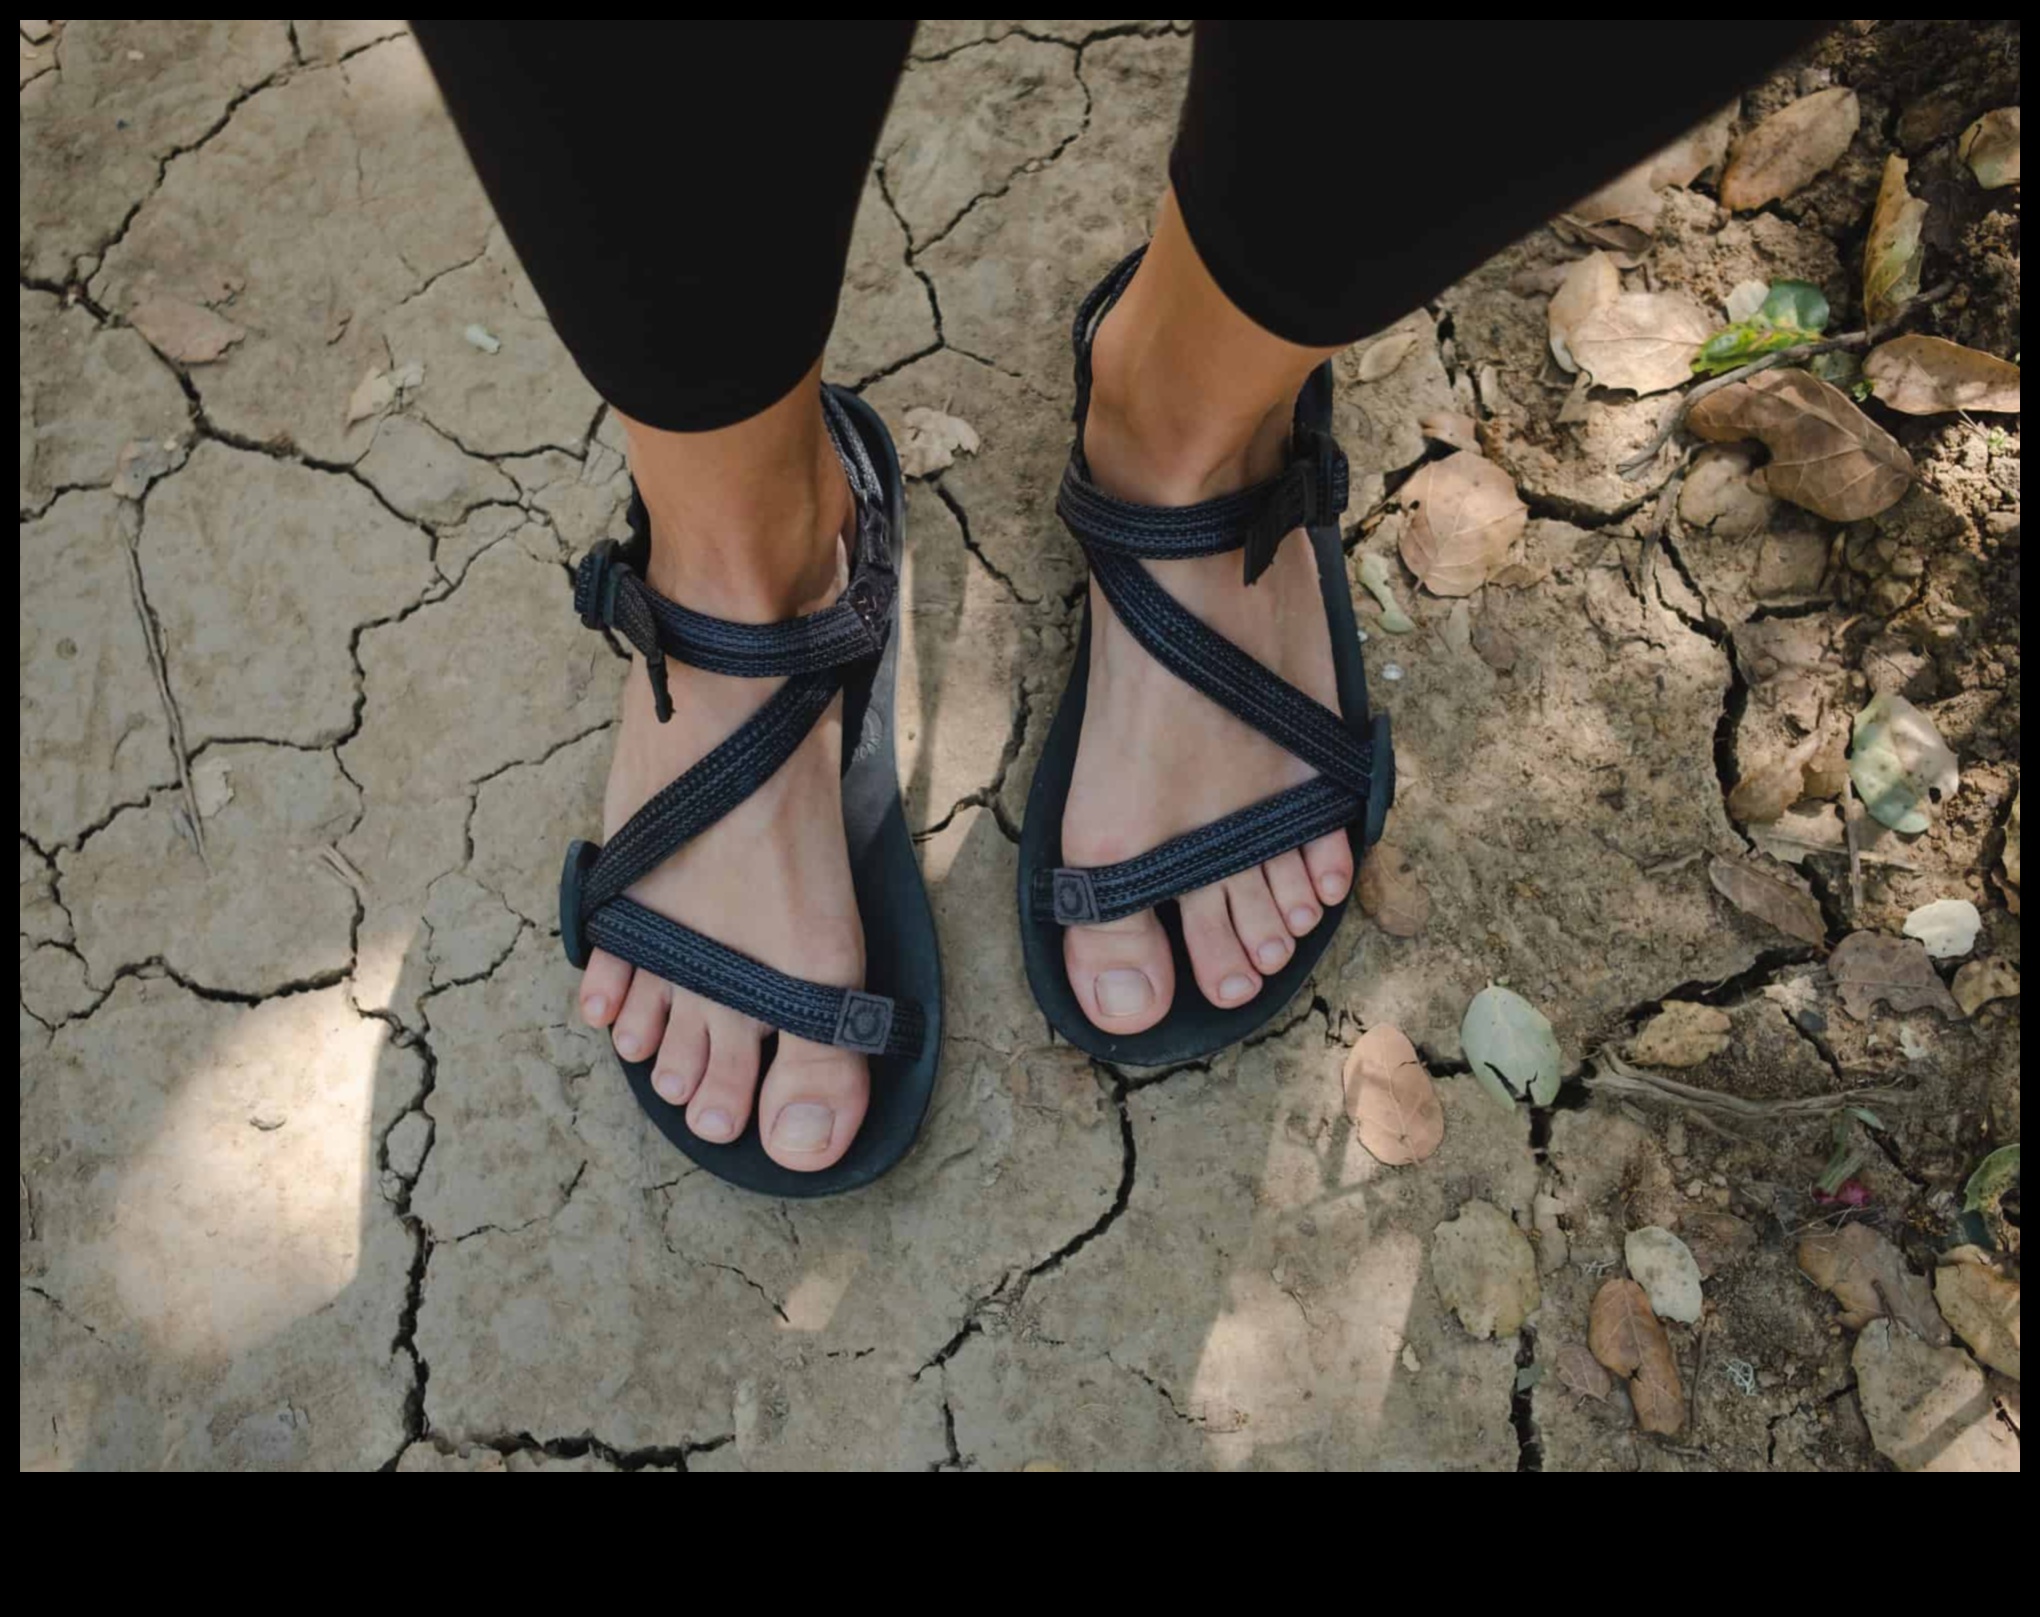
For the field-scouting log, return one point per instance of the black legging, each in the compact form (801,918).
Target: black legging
(682,193)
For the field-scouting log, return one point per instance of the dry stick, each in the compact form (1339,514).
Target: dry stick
(1784,356)
(1618,1077)
(1852,828)
(159,667)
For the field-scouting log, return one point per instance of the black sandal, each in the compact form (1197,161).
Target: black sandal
(1355,765)
(895,1019)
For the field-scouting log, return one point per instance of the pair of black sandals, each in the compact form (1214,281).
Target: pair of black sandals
(852,647)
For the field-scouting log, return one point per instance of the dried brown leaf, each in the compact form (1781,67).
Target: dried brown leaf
(1683,1034)
(1699,149)
(1463,516)
(1868,1277)
(1592,283)
(1983,1307)
(1771,788)
(1800,140)
(1826,455)
(187,332)
(1580,1373)
(1384,356)
(1716,1239)
(1930,375)
(1626,1336)
(1990,147)
(1627,205)
(1493,645)
(1642,341)
(1893,250)
(1391,1100)
(1869,966)
(1452,428)
(1390,893)
(1771,896)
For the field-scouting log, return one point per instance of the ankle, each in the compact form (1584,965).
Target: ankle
(753,560)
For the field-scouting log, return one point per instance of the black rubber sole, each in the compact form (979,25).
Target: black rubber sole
(1194,1027)
(901,958)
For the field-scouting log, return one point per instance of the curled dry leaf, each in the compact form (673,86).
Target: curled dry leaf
(1930,375)
(1981,981)
(1867,1275)
(187,332)
(1382,357)
(1790,148)
(1892,253)
(372,395)
(1642,341)
(1768,790)
(1901,767)
(1621,215)
(1626,1336)
(1826,455)
(1485,1271)
(933,440)
(1451,428)
(1771,896)
(1390,894)
(1391,1100)
(1983,1308)
(1868,966)
(1375,578)
(1699,149)
(1580,1373)
(1990,147)
(1463,517)
(1591,283)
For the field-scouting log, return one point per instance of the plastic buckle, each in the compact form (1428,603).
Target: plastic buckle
(595,583)
(1328,487)
(581,858)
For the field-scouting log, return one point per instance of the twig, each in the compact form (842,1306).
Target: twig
(1699,1370)
(1784,356)
(1618,1077)
(1852,821)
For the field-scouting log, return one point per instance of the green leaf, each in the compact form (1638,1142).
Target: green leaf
(1793,312)
(1838,367)
(1899,763)
(1510,1047)
(1995,1175)
(1863,1114)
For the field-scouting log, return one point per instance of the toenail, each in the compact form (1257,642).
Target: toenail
(1235,987)
(1302,918)
(669,1085)
(803,1128)
(628,1045)
(714,1125)
(1272,953)
(1332,886)
(1123,993)
(593,1006)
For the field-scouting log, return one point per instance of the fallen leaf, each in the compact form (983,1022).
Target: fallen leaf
(932,440)
(1626,1336)
(1744,299)
(1510,1047)
(479,336)
(1580,1373)
(1826,455)
(1390,1098)
(1771,896)
(1928,1408)
(1622,214)
(1642,341)
(1995,1175)
(2008,861)
(1900,764)
(1716,1239)
(1867,1275)
(372,395)
(1493,645)
(1591,283)
(1791,313)
(1982,981)
(1390,893)
(1982,1307)
(1799,833)
(1892,253)
(1380,358)
(1789,149)
(1374,578)
(1868,966)
(1484,1270)
(186,332)
(1699,149)
(1771,788)
(1451,428)
(1947,927)
(1463,516)
(1929,375)
(1683,1034)
(1660,1263)
(1990,147)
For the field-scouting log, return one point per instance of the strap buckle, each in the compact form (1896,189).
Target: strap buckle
(1326,485)
(1312,490)
(609,595)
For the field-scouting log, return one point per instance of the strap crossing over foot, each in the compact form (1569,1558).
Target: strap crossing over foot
(812,654)
(1117,536)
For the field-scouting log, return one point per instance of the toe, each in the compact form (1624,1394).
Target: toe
(811,1105)
(722,1103)
(1122,972)
(603,986)
(1330,862)
(641,1024)
(1224,974)
(1290,884)
(1257,923)
(683,1053)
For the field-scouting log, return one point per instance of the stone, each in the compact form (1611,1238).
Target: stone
(1683,1034)
(1720,494)
(1661,1263)
(427,476)
(1928,1408)
(257,636)
(92,735)
(1484,1270)
(885,315)
(87,392)
(261,911)
(1981,1306)
(1947,926)
(242,1287)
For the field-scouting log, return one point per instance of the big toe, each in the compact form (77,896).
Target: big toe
(812,1104)
(1122,972)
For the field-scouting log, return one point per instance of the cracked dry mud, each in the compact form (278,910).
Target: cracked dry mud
(319,1168)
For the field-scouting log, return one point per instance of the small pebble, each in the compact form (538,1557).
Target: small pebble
(1410,1361)
(1722,1198)
(1717,1178)
(1391,671)
(1696,1190)
(483,338)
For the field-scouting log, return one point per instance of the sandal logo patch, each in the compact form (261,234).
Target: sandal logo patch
(1075,903)
(865,1023)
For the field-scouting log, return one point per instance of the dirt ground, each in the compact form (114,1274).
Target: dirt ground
(318,1167)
